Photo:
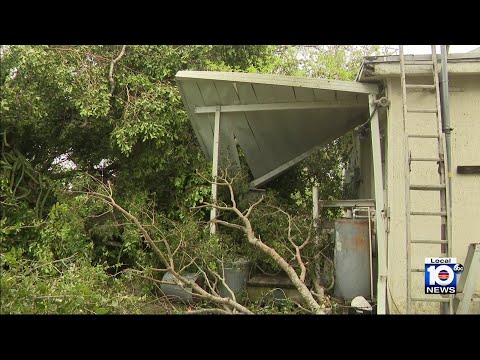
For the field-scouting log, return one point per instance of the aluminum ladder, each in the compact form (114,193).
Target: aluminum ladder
(441,187)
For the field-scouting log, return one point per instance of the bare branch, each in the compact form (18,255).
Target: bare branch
(288,249)
(168,262)
(332,275)
(140,274)
(222,279)
(109,200)
(227,208)
(51,263)
(110,208)
(112,65)
(186,266)
(209,312)
(309,236)
(298,281)
(253,206)
(298,256)
(319,290)
(225,223)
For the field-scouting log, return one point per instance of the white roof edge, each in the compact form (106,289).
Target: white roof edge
(283,80)
(469,56)
(467,63)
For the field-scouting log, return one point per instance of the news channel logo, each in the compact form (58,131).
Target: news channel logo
(441,275)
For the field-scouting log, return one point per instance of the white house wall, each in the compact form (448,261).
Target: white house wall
(465,120)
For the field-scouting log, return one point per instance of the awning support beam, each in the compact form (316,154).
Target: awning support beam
(283,106)
(277,171)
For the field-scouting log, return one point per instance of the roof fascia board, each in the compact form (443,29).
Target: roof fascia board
(282,80)
(393,69)
(422,57)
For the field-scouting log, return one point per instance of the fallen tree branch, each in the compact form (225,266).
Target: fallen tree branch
(252,238)
(168,259)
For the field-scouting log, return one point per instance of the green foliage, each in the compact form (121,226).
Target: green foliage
(64,286)
(272,305)
(340,62)
(19,182)
(56,101)
(62,123)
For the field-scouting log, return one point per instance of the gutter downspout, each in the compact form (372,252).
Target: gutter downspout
(446,119)
(447,308)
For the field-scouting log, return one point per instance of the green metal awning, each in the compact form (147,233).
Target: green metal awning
(276,120)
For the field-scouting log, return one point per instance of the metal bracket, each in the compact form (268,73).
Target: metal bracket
(387,218)
(362,213)
(383,101)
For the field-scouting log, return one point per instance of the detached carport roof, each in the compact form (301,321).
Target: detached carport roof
(276,120)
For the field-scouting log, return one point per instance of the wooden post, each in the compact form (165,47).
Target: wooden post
(466,285)
(379,208)
(315,210)
(216,143)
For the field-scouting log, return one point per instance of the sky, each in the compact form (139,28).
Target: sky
(426,49)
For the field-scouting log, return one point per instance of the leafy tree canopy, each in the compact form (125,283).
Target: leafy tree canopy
(115,112)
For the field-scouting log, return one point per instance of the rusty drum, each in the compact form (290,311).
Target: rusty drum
(352,260)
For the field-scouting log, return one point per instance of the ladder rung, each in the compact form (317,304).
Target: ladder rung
(423,136)
(415,86)
(413,62)
(415,110)
(431,299)
(432,242)
(424,159)
(427,187)
(417,270)
(429,213)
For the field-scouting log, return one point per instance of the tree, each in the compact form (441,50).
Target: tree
(111,111)
(115,113)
